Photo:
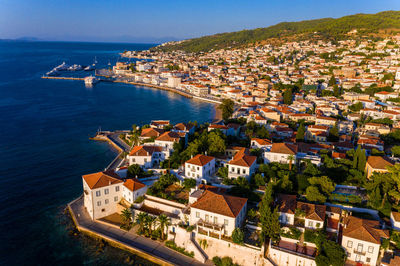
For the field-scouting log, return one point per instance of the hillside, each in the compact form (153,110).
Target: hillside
(327,28)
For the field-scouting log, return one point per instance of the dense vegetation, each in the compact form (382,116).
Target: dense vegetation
(326,28)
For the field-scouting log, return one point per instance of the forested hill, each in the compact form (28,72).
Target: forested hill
(377,25)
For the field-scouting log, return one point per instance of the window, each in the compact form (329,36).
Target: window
(349,244)
(368,259)
(98,193)
(99,203)
(117,188)
(145,160)
(370,249)
(226,222)
(207,218)
(244,171)
(360,247)
(116,198)
(197,215)
(215,220)
(106,191)
(106,201)
(310,223)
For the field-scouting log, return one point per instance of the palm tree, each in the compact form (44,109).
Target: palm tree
(135,139)
(163,222)
(141,220)
(149,221)
(291,159)
(126,216)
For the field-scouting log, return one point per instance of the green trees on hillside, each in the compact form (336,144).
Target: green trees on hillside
(327,28)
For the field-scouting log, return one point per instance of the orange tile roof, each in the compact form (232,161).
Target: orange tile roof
(169,136)
(144,150)
(286,203)
(219,203)
(151,132)
(285,148)
(101,179)
(313,211)
(363,229)
(200,160)
(262,141)
(133,184)
(378,162)
(242,159)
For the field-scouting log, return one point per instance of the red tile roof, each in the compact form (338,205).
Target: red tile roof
(363,229)
(133,184)
(101,179)
(200,160)
(219,203)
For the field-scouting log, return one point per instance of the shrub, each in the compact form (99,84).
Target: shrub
(171,244)
(238,236)
(139,199)
(225,261)
(310,235)
(293,233)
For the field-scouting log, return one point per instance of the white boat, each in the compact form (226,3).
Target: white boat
(75,67)
(88,68)
(63,66)
(90,80)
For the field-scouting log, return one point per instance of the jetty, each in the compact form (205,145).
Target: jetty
(66,78)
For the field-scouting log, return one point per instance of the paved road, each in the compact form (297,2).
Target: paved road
(130,238)
(120,143)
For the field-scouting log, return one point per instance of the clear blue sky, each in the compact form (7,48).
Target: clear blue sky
(124,20)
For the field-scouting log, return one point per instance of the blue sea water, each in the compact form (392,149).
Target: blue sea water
(45,148)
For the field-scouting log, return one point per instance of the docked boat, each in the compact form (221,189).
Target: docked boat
(89,68)
(75,67)
(91,80)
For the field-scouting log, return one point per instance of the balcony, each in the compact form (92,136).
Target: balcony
(359,252)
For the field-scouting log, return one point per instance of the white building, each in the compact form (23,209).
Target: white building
(281,153)
(102,192)
(201,167)
(146,156)
(218,213)
(132,189)
(242,165)
(362,239)
(167,141)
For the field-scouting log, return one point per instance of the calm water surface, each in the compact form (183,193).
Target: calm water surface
(44,146)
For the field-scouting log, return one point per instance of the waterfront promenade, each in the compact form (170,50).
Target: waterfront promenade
(144,247)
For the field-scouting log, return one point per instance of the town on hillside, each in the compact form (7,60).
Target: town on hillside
(302,168)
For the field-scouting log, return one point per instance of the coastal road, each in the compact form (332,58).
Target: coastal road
(129,238)
(114,137)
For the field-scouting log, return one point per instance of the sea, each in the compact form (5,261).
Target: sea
(45,127)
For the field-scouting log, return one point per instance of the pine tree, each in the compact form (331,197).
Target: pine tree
(355,158)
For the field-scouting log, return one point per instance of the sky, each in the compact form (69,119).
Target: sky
(158,21)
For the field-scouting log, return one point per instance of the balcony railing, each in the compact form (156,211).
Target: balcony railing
(209,225)
(359,252)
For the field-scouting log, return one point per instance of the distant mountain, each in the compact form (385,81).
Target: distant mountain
(358,25)
(22,39)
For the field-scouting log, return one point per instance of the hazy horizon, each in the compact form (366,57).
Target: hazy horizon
(161,21)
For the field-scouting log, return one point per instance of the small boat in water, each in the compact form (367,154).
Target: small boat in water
(91,80)
(75,67)
(89,68)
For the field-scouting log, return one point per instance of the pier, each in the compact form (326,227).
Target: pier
(66,78)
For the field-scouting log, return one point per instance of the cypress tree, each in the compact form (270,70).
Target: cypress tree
(300,132)
(355,157)
(361,161)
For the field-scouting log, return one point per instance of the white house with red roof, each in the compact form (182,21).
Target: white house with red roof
(242,165)
(384,95)
(167,141)
(281,153)
(146,156)
(217,213)
(132,189)
(200,167)
(257,143)
(102,191)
